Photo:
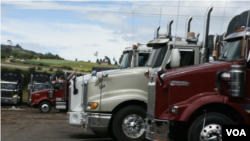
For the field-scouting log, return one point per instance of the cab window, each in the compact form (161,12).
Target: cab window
(143,57)
(58,86)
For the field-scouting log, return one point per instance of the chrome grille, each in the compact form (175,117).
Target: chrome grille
(69,98)
(7,93)
(85,90)
(151,99)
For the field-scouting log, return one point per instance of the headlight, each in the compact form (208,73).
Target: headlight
(15,95)
(92,105)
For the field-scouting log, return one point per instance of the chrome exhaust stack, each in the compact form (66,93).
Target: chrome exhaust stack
(205,37)
(188,25)
(169,27)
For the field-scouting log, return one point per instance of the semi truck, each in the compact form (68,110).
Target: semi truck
(11,87)
(133,56)
(56,96)
(114,103)
(38,81)
(194,102)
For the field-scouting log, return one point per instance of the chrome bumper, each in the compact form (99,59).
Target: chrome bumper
(157,130)
(78,119)
(98,123)
(13,100)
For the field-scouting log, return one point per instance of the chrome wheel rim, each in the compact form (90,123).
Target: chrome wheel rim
(45,108)
(133,126)
(211,132)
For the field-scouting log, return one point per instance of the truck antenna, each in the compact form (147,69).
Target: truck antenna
(248,17)
(177,22)
(223,16)
(160,18)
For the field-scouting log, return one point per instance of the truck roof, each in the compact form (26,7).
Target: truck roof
(141,47)
(239,33)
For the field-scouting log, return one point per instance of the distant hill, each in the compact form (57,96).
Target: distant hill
(17,49)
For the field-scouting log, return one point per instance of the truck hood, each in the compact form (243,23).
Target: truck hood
(41,91)
(188,69)
(200,79)
(120,86)
(123,73)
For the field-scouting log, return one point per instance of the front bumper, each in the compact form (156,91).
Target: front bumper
(157,130)
(77,119)
(14,100)
(98,123)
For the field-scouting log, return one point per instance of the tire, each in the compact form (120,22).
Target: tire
(213,122)
(132,114)
(45,107)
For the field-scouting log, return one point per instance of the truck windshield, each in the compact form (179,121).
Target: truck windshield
(156,57)
(38,87)
(233,50)
(126,59)
(8,86)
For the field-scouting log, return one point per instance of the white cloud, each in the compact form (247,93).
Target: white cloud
(82,40)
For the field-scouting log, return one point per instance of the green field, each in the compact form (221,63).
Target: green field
(80,66)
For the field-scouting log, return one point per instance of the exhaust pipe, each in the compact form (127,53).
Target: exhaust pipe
(169,27)
(204,56)
(205,38)
(188,25)
(65,86)
(156,32)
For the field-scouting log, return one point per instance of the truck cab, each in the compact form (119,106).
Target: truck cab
(134,56)
(56,96)
(38,81)
(182,104)
(114,103)
(11,87)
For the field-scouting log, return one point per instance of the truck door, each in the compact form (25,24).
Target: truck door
(59,92)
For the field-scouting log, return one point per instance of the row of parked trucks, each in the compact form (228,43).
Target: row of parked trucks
(177,96)
(189,88)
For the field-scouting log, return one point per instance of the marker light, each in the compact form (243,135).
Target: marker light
(134,47)
(216,91)
(94,105)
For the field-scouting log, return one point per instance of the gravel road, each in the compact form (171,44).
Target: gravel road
(27,124)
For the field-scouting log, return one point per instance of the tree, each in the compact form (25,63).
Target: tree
(76,59)
(97,61)
(100,60)
(116,63)
(89,61)
(9,49)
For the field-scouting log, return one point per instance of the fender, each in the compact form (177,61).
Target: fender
(197,103)
(208,99)
(44,98)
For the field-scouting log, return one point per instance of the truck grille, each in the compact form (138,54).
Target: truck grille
(7,93)
(151,99)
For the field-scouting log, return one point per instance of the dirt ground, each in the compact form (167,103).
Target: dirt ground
(28,124)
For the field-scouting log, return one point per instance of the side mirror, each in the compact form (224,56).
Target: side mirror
(175,58)
(105,74)
(159,73)
(146,73)
(93,73)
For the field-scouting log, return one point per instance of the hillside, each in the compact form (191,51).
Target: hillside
(17,49)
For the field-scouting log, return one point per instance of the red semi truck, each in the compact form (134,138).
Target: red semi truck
(181,102)
(56,96)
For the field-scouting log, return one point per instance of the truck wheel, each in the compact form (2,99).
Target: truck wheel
(44,107)
(129,124)
(212,129)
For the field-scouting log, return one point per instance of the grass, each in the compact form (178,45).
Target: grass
(79,66)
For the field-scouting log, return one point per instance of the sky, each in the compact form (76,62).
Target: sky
(78,29)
